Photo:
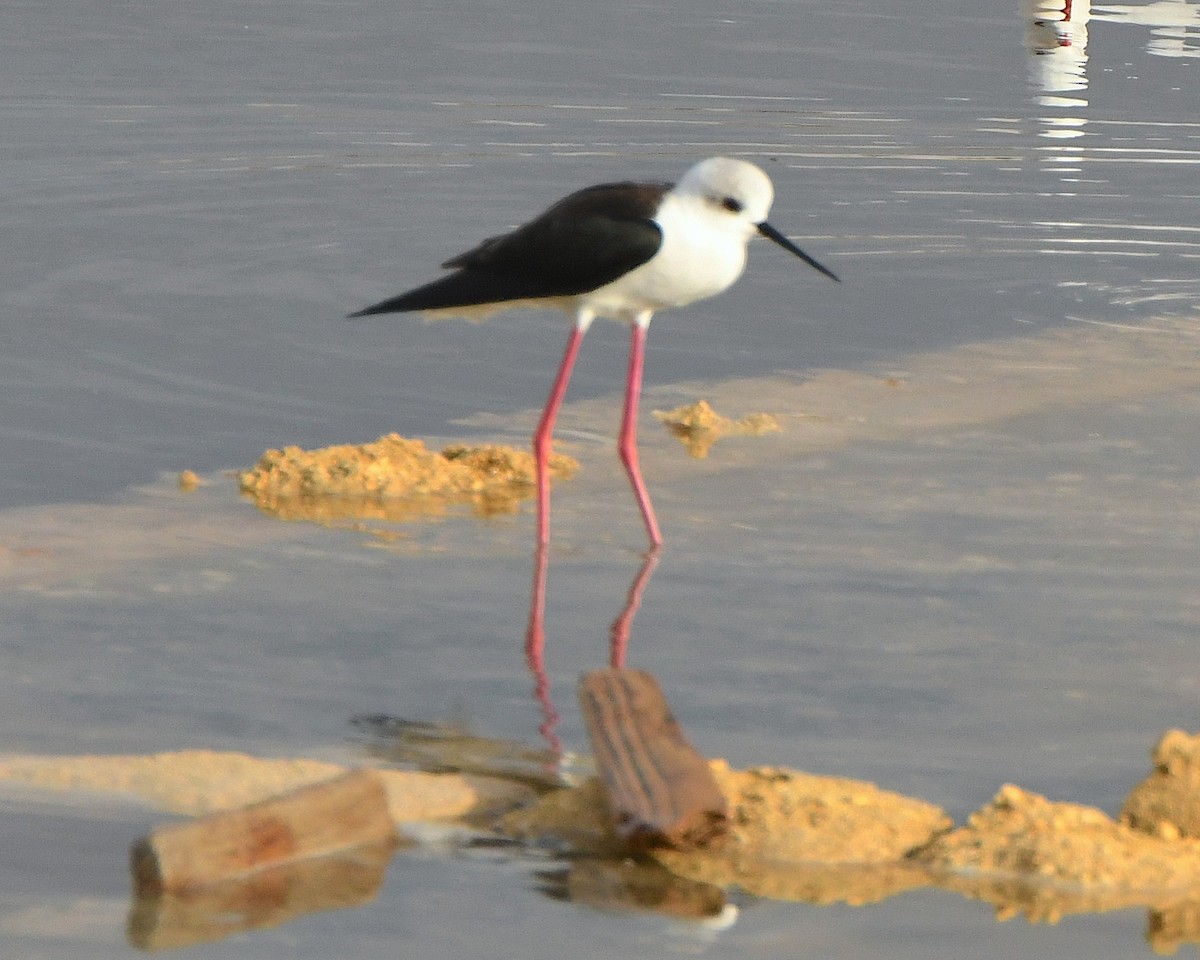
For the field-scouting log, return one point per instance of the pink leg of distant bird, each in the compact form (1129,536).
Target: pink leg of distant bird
(627,444)
(543,436)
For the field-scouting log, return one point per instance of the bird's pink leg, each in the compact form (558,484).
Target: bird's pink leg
(627,444)
(543,436)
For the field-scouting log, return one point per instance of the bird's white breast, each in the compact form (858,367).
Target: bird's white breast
(703,253)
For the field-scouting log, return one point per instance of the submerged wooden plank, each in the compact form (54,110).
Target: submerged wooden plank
(660,788)
(339,814)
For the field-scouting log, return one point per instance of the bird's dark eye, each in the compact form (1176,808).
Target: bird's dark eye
(732,205)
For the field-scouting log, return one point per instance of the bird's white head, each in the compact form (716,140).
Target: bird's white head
(736,198)
(737,190)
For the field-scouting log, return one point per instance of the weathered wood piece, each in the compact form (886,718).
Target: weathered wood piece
(660,788)
(348,811)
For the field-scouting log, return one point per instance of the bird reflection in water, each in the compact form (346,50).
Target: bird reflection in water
(535,635)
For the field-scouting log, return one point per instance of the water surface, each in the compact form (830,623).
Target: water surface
(195,199)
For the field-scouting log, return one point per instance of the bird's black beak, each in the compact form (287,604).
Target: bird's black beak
(771,233)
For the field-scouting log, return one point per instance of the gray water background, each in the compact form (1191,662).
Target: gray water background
(193,197)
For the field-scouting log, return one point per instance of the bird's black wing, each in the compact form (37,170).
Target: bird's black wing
(582,242)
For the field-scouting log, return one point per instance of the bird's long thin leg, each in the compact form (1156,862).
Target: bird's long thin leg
(627,444)
(543,436)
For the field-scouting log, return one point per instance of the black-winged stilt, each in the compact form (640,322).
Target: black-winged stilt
(616,250)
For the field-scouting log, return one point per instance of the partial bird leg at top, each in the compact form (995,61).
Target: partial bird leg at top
(627,444)
(543,436)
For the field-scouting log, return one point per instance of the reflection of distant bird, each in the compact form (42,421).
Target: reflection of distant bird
(617,250)
(1056,34)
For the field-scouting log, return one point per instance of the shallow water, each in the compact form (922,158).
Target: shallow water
(994,584)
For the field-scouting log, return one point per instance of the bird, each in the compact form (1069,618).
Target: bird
(620,251)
